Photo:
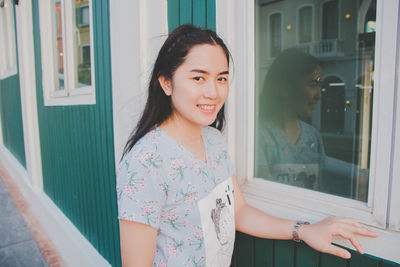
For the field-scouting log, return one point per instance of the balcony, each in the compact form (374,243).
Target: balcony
(331,48)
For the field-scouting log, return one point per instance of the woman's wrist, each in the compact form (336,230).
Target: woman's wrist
(298,230)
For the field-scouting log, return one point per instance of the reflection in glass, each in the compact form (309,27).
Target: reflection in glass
(59,42)
(330,20)
(82,45)
(314,99)
(305,24)
(292,150)
(275,21)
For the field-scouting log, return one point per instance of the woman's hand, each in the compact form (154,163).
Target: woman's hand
(319,235)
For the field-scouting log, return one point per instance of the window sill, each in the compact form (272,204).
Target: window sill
(60,98)
(8,73)
(385,246)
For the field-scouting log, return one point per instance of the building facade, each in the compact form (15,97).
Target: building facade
(73,78)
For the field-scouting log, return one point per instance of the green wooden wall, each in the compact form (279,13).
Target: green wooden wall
(11,117)
(198,12)
(256,252)
(251,251)
(11,113)
(77,147)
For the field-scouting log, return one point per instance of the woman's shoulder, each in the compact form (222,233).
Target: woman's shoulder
(309,129)
(213,135)
(146,146)
(150,140)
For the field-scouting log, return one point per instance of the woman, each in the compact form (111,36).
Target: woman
(179,203)
(291,150)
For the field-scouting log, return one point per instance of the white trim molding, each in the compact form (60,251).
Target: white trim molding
(27,81)
(235,23)
(394,207)
(8,58)
(383,111)
(132,59)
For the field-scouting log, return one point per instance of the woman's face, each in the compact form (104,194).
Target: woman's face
(199,86)
(309,94)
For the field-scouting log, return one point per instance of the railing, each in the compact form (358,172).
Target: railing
(323,49)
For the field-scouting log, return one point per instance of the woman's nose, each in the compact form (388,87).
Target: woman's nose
(211,91)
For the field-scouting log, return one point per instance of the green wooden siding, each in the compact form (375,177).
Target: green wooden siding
(251,251)
(197,12)
(77,147)
(11,117)
(256,252)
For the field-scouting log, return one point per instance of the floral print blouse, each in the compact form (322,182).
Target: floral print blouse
(298,164)
(190,202)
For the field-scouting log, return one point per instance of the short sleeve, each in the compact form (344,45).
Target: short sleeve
(140,189)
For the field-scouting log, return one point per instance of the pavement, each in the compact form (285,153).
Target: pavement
(18,246)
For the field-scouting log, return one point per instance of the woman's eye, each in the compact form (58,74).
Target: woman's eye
(198,78)
(222,79)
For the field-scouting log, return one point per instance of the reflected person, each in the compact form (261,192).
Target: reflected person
(290,150)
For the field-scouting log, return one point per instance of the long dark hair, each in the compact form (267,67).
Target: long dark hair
(283,80)
(172,54)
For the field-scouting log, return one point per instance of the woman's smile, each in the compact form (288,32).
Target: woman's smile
(207,108)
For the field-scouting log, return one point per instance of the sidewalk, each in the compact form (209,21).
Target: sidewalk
(33,232)
(17,244)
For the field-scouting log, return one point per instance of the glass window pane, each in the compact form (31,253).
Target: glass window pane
(59,41)
(330,20)
(305,24)
(275,25)
(314,99)
(82,46)
(85,15)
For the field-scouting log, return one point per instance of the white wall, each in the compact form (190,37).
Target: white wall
(138,29)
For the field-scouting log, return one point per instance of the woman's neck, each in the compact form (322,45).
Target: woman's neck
(187,134)
(181,130)
(290,126)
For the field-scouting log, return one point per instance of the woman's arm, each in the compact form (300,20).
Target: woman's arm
(138,244)
(319,236)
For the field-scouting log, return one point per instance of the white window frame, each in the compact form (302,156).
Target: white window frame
(49,53)
(394,211)
(298,22)
(235,23)
(8,58)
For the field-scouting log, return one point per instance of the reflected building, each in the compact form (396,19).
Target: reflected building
(341,35)
(82,42)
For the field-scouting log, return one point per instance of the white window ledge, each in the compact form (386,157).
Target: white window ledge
(385,246)
(8,73)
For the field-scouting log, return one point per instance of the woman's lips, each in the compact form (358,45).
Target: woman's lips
(207,108)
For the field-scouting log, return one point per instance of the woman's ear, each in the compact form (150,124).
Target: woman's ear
(165,84)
